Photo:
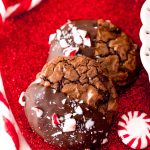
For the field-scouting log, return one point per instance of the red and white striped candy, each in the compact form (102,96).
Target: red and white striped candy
(16,9)
(7,130)
(21,7)
(2,11)
(134,129)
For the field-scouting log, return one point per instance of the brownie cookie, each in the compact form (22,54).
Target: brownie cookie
(71,103)
(80,77)
(102,41)
(64,122)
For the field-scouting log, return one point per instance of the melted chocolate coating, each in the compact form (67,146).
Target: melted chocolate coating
(49,102)
(90,26)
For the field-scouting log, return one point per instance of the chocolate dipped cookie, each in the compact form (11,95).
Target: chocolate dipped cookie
(71,103)
(101,40)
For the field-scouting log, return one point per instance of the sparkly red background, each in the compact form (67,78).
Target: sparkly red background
(24,50)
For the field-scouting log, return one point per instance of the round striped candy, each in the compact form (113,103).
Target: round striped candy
(134,129)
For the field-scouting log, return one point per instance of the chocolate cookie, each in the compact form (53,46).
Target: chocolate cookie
(100,40)
(71,103)
(63,122)
(80,77)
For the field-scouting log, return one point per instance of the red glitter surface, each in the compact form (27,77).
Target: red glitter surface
(24,50)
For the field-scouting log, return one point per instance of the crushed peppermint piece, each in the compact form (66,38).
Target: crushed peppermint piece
(51,38)
(87,42)
(69,125)
(38,111)
(81,101)
(55,120)
(64,101)
(48,117)
(70,51)
(58,35)
(104,141)
(78,110)
(89,124)
(21,99)
(67,116)
(63,43)
(78,39)
(82,33)
(94,141)
(57,133)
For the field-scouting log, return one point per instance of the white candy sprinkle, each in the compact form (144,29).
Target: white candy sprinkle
(48,117)
(78,110)
(104,118)
(82,33)
(78,39)
(64,101)
(67,116)
(81,101)
(63,43)
(58,35)
(69,125)
(87,42)
(38,111)
(74,31)
(104,141)
(89,124)
(51,38)
(94,141)
(21,100)
(57,133)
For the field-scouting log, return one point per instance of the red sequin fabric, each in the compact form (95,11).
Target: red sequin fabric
(24,50)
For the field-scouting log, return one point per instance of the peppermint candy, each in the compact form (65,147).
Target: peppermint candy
(7,128)
(134,129)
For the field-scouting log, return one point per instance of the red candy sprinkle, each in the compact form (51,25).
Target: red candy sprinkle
(55,120)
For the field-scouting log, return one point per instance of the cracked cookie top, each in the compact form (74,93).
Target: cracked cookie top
(80,77)
(102,41)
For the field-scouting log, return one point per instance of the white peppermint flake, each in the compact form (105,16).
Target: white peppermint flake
(38,111)
(69,125)
(58,35)
(78,110)
(48,117)
(64,101)
(51,38)
(104,141)
(78,39)
(63,43)
(57,133)
(87,42)
(67,116)
(89,124)
(82,33)
(94,141)
(81,101)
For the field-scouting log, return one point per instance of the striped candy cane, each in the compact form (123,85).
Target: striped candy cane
(2,11)
(25,5)
(10,135)
(21,7)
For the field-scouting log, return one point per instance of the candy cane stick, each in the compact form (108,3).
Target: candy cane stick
(21,7)
(2,11)
(10,136)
